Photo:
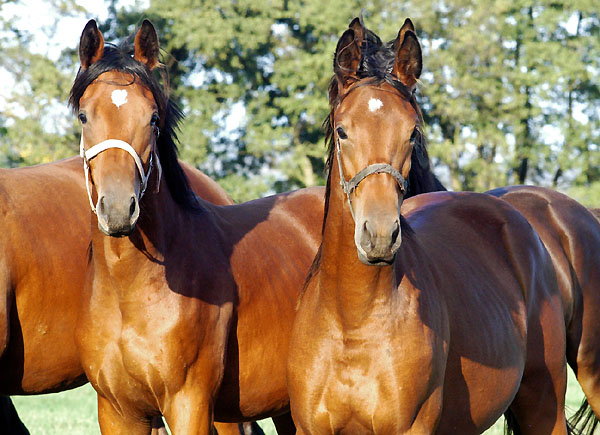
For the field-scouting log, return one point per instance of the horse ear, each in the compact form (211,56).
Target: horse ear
(409,60)
(146,45)
(408,25)
(348,52)
(91,45)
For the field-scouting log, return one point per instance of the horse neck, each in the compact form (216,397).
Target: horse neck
(352,289)
(128,258)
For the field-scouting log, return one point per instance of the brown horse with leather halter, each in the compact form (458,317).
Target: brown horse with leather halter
(436,321)
(189,305)
(571,234)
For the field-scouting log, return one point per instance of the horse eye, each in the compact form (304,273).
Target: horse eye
(414,136)
(341,133)
(154,120)
(82,118)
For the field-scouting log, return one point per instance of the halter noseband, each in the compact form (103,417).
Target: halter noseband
(92,152)
(376,168)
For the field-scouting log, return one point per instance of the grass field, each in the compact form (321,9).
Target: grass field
(74,412)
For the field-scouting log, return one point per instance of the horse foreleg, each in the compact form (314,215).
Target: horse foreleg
(158,426)
(228,428)
(113,422)
(190,413)
(9,419)
(6,300)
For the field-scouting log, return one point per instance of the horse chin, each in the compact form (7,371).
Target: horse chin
(376,261)
(116,232)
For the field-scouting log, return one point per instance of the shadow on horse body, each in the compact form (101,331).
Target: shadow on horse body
(436,321)
(571,234)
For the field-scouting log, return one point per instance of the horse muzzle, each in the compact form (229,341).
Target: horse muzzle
(377,241)
(117,214)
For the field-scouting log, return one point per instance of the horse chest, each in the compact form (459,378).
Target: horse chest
(138,351)
(358,384)
(357,391)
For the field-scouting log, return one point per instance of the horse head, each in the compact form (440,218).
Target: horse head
(375,124)
(120,118)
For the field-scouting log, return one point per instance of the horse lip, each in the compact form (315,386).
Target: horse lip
(377,261)
(118,233)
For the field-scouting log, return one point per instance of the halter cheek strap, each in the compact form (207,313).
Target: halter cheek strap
(377,168)
(92,152)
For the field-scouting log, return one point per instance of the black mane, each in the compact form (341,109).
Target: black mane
(119,58)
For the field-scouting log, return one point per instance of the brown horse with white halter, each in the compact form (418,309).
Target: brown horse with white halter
(45,241)
(44,245)
(189,305)
(436,321)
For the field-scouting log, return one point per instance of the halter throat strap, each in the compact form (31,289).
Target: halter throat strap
(376,168)
(93,151)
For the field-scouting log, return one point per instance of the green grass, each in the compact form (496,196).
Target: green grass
(74,412)
(71,412)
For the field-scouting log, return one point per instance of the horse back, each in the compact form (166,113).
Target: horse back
(204,186)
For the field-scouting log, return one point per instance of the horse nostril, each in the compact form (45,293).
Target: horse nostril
(101,205)
(132,206)
(395,232)
(366,239)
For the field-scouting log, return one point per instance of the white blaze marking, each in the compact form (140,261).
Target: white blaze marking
(119,97)
(375,104)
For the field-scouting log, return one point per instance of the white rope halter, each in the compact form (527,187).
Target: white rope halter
(89,154)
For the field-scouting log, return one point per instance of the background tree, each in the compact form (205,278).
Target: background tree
(510,88)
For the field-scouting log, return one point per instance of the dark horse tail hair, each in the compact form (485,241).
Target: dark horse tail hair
(9,419)
(511,427)
(510,424)
(584,421)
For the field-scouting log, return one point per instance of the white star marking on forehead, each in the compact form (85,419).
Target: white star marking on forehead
(375,104)
(119,97)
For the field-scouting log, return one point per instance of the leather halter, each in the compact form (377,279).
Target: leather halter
(376,168)
(92,152)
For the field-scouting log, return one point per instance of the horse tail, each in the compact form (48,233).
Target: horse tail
(584,421)
(9,419)
(511,427)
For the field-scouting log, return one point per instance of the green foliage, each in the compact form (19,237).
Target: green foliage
(509,89)
(504,88)
(35,126)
